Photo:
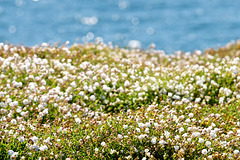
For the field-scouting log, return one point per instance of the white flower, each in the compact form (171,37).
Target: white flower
(15,103)
(196,134)
(147,124)
(188,120)
(197,100)
(125,126)
(154,140)
(81,93)
(120,136)
(208,143)
(43,82)
(147,130)
(142,136)
(35,99)
(162,142)
(21,127)
(73,84)
(236,152)
(213,134)
(181,129)
(34,147)
(156,125)
(230,133)
(185,135)
(106,88)
(221,100)
(96,84)
(90,90)
(92,97)
(19,109)
(189,139)
(201,140)
(227,91)
(112,151)
(190,115)
(204,151)
(43,148)
(13,121)
(47,140)
(177,97)
(146,150)
(138,130)
(177,137)
(44,98)
(21,139)
(103,144)
(45,111)
(10,152)
(85,87)
(34,139)
(96,149)
(127,83)
(77,120)
(238,131)
(25,101)
(176,147)
(170,94)
(166,134)
(140,125)
(14,155)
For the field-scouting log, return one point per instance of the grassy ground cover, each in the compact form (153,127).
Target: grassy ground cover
(96,101)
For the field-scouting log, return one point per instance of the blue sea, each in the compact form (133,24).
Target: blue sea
(171,25)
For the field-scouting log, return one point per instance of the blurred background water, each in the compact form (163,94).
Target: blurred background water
(170,24)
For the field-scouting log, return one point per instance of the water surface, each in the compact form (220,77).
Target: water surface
(170,24)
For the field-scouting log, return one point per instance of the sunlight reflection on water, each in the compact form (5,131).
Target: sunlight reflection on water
(171,25)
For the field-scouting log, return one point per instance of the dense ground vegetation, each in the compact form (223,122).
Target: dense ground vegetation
(96,101)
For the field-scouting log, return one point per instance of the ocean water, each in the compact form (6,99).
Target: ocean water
(171,25)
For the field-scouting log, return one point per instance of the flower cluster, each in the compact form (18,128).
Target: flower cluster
(97,101)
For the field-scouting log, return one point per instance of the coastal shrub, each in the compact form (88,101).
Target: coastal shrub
(96,101)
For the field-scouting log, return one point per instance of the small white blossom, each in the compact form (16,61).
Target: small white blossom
(167,134)
(200,140)
(208,143)
(93,98)
(112,151)
(43,148)
(190,115)
(103,144)
(120,136)
(125,126)
(204,151)
(162,142)
(236,152)
(176,147)
(154,140)
(96,150)
(78,120)
(138,130)
(13,121)
(14,155)
(10,152)
(82,93)
(21,139)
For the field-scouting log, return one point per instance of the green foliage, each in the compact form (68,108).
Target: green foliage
(101,102)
